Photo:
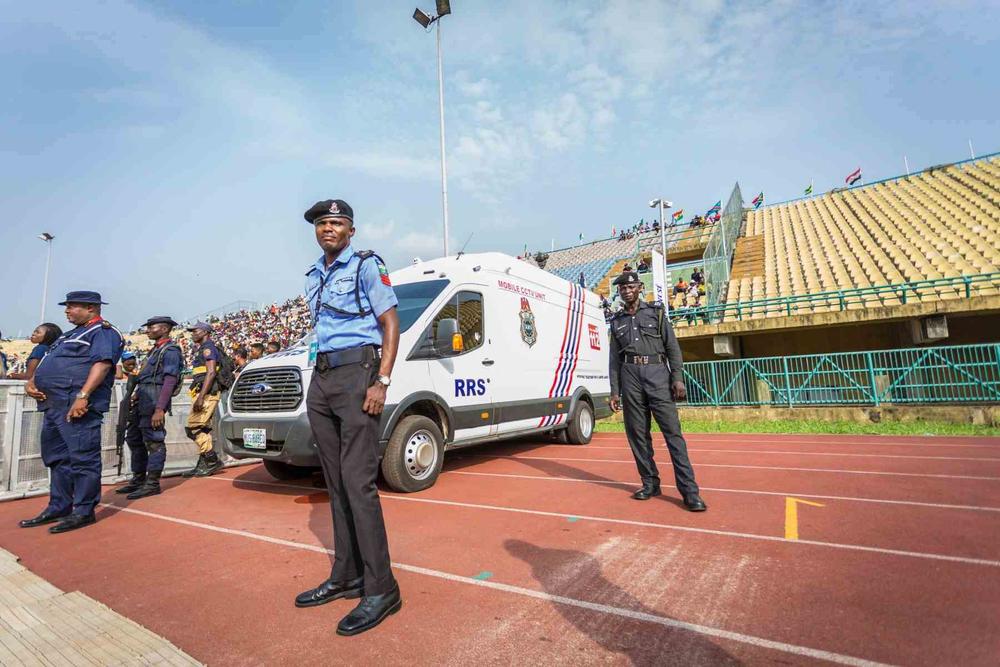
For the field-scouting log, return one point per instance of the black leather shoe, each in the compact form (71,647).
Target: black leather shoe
(372,610)
(329,591)
(694,503)
(646,492)
(72,522)
(40,520)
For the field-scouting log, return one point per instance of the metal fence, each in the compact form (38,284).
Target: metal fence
(718,255)
(959,374)
(21,469)
(957,287)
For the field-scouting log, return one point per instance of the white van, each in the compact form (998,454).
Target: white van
(490,347)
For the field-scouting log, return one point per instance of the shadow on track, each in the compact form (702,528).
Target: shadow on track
(575,574)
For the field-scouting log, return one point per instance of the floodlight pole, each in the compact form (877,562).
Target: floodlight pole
(444,162)
(45,283)
(663,238)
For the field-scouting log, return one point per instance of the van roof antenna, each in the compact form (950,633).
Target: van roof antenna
(462,251)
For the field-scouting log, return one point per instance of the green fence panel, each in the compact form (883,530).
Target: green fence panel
(946,374)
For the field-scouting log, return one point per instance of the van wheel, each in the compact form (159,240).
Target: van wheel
(581,426)
(284,471)
(414,455)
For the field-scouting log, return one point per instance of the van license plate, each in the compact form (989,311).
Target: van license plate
(255,438)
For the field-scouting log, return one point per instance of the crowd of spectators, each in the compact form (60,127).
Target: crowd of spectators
(268,330)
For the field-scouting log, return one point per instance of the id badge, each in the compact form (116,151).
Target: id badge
(313,351)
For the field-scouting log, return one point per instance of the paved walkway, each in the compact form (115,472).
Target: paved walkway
(41,625)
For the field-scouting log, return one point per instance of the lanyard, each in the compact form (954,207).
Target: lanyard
(319,295)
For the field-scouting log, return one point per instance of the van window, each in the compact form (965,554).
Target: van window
(414,298)
(467,308)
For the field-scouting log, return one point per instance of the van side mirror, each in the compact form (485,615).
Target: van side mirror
(448,340)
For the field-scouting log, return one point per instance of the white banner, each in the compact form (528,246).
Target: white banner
(659,289)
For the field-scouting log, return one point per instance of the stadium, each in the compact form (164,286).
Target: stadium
(840,389)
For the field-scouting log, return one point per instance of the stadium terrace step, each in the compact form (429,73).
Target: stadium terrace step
(41,625)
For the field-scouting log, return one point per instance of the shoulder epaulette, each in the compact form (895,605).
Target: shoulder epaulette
(364,254)
(106,324)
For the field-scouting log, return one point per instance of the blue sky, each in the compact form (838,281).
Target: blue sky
(172,147)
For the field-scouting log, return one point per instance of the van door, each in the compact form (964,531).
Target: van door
(462,376)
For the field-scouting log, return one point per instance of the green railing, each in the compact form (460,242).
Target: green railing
(959,287)
(953,374)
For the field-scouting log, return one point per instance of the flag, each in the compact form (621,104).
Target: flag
(809,190)
(612,230)
(758,201)
(854,177)
(716,217)
(715,209)
(678,215)
(581,236)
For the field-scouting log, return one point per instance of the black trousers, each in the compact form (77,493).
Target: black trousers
(347,439)
(646,391)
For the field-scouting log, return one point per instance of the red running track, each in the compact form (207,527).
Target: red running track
(533,553)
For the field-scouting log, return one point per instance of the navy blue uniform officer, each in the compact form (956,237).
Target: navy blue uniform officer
(72,385)
(646,370)
(357,334)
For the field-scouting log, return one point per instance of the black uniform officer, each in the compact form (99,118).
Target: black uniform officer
(146,433)
(72,385)
(357,334)
(646,377)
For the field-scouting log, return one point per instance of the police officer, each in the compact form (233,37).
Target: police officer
(357,333)
(205,392)
(646,376)
(72,385)
(146,433)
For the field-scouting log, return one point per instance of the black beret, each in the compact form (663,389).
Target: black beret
(627,278)
(160,319)
(329,208)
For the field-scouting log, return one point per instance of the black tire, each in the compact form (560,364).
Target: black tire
(581,424)
(286,471)
(414,437)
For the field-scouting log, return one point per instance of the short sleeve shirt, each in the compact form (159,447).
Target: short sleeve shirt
(206,352)
(331,290)
(63,371)
(38,351)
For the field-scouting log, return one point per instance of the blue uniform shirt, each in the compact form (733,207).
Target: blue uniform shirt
(165,360)
(62,372)
(335,288)
(38,351)
(207,351)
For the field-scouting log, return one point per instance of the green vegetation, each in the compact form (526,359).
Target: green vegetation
(817,426)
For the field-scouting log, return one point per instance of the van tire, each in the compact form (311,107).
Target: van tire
(415,437)
(581,425)
(286,471)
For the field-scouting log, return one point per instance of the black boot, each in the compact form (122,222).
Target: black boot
(133,484)
(151,487)
(197,468)
(212,465)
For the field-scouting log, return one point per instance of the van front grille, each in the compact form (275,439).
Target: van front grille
(267,390)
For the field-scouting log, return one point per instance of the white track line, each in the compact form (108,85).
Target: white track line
(733,465)
(771,451)
(740,437)
(539,595)
(644,524)
(783,494)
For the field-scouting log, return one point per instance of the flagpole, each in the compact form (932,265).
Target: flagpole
(971,152)
(907,165)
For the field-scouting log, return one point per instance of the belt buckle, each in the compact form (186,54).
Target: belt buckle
(645,360)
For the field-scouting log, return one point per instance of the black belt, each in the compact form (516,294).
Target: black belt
(644,360)
(355,355)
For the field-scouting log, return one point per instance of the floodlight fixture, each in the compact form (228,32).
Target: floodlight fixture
(443,7)
(45,236)
(421,18)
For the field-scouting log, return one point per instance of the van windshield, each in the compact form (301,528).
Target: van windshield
(414,298)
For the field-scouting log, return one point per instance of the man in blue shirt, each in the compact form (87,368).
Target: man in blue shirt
(72,385)
(146,433)
(357,332)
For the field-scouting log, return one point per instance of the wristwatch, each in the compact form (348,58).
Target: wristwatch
(83,394)
(384,380)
